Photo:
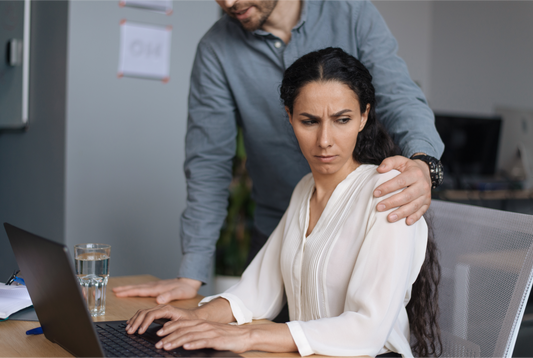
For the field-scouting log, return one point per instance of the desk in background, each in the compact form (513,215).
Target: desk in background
(15,343)
(518,201)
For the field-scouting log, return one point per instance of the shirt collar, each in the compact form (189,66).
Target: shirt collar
(303,17)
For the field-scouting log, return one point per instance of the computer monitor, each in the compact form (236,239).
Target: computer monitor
(516,141)
(471,144)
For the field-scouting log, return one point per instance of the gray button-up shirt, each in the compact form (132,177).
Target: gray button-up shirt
(235,80)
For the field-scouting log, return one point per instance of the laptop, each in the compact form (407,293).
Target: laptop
(57,298)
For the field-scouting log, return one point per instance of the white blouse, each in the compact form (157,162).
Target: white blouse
(347,283)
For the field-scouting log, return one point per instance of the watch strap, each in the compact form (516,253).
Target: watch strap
(435,168)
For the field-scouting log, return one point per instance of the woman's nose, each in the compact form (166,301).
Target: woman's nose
(325,138)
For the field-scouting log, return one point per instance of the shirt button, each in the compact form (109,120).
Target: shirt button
(277,44)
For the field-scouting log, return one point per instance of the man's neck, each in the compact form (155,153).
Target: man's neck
(282,20)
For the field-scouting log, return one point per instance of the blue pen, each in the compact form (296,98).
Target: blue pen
(34,331)
(15,278)
(19,280)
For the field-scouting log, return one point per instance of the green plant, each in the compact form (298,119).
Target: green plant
(234,241)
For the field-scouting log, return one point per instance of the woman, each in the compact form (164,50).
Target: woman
(347,273)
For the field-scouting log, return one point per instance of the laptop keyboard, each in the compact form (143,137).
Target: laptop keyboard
(118,343)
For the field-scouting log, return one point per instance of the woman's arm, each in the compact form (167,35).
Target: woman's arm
(197,334)
(205,327)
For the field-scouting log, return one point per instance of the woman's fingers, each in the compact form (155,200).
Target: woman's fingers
(182,332)
(143,318)
(197,334)
(172,326)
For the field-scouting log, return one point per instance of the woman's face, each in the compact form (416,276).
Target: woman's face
(326,120)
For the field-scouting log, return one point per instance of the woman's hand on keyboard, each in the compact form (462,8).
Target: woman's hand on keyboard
(143,318)
(198,334)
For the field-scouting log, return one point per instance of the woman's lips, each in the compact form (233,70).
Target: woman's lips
(241,15)
(326,158)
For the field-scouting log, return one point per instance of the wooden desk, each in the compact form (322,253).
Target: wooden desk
(15,343)
(452,195)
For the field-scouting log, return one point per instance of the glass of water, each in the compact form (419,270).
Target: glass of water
(92,269)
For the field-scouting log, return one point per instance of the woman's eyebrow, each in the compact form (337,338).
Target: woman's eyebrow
(338,114)
(310,116)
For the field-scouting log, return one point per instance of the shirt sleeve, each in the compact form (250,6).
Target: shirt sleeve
(260,292)
(387,265)
(401,105)
(209,150)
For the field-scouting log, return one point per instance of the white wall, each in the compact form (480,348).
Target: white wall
(125,137)
(468,56)
(411,23)
(482,55)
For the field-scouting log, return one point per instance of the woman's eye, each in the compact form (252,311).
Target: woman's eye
(344,120)
(308,122)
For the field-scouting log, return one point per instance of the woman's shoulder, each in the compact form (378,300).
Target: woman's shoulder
(371,177)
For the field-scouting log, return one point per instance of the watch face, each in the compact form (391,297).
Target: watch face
(437,174)
(440,174)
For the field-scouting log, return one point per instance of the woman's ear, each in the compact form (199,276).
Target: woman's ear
(289,114)
(364,117)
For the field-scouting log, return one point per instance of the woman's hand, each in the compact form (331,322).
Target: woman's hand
(218,310)
(143,318)
(206,327)
(197,334)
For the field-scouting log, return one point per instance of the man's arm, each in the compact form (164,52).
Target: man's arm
(210,148)
(403,110)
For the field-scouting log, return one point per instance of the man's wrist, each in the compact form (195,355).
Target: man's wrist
(435,168)
(191,282)
(421,153)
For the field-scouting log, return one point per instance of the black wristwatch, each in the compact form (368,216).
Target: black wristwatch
(435,169)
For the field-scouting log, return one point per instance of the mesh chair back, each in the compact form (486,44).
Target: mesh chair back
(486,258)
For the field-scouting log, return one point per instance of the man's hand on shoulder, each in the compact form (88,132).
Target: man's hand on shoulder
(412,202)
(165,290)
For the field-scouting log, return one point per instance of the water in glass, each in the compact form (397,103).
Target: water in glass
(92,269)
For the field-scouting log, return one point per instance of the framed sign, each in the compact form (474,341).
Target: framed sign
(144,51)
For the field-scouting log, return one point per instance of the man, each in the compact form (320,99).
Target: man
(235,78)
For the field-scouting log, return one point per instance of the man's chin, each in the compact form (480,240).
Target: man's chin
(250,25)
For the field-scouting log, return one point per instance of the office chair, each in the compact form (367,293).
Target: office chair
(486,258)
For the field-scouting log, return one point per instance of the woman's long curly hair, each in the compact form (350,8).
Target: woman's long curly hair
(372,147)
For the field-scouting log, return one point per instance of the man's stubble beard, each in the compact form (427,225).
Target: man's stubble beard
(265,11)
